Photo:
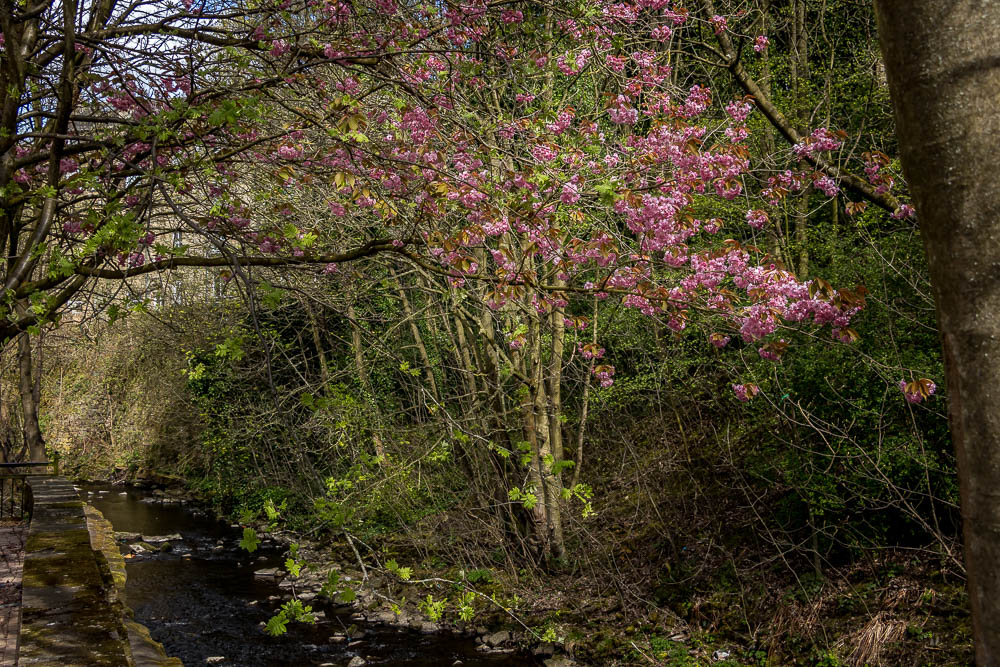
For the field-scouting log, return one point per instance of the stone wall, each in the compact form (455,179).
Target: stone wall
(146,651)
(72,612)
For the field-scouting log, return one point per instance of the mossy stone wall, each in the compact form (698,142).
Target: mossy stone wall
(72,609)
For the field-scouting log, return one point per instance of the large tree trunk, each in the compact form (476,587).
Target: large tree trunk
(943,64)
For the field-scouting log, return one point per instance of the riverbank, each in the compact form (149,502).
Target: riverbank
(884,609)
(377,595)
(199,594)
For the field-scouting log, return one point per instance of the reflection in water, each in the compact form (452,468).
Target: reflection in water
(201,600)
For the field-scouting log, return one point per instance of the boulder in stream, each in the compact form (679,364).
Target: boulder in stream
(497,638)
(559,661)
(268,573)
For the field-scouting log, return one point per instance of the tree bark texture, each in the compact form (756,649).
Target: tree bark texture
(29,401)
(366,388)
(943,64)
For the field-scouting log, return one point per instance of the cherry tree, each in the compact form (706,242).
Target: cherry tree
(537,156)
(588,172)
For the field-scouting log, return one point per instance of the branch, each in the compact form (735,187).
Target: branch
(13,329)
(750,86)
(366,250)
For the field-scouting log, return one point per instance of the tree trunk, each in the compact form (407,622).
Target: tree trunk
(800,77)
(29,401)
(585,401)
(557,322)
(418,338)
(324,370)
(366,388)
(470,370)
(535,434)
(943,65)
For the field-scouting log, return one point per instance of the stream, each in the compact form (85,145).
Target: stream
(202,601)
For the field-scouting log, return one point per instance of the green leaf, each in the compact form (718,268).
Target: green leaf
(231,348)
(250,541)
(559,466)
(294,567)
(277,625)
(271,295)
(332,583)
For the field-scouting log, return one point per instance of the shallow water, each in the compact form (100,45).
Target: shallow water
(203,601)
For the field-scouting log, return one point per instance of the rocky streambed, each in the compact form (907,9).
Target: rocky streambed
(206,600)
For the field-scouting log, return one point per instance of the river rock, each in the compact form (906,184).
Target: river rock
(162,538)
(357,661)
(497,638)
(429,628)
(127,537)
(268,573)
(215,660)
(559,661)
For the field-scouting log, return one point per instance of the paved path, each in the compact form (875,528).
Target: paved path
(12,535)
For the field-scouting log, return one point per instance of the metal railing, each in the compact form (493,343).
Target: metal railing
(15,492)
